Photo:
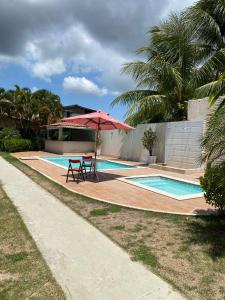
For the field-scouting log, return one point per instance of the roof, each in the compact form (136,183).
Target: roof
(72,107)
(66,124)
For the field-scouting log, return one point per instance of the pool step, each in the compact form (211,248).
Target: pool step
(174,169)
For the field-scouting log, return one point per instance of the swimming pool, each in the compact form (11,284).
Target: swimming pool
(168,186)
(63,162)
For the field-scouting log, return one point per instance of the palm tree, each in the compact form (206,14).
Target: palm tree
(31,110)
(207,19)
(213,143)
(164,79)
(49,106)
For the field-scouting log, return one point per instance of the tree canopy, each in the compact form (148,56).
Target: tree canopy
(30,109)
(184,53)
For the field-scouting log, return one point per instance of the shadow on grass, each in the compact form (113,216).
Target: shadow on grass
(209,233)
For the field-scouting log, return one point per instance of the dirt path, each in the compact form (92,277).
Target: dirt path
(84,261)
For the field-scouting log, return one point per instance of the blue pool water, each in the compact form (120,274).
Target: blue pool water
(168,185)
(101,165)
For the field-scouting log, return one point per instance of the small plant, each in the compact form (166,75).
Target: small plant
(148,140)
(213,182)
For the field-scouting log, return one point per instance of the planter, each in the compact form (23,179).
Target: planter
(151,160)
(99,149)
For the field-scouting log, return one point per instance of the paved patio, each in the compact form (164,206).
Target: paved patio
(114,191)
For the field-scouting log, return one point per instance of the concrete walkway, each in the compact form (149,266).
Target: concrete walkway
(84,261)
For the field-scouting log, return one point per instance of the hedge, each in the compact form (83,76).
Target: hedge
(17,144)
(213,182)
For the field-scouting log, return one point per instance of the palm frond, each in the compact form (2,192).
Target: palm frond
(131,97)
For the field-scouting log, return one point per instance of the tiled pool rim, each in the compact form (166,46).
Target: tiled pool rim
(136,197)
(102,170)
(186,197)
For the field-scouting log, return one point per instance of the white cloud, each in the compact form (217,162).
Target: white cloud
(45,69)
(69,36)
(82,85)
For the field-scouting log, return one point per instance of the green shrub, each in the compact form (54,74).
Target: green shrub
(213,182)
(148,140)
(6,134)
(17,144)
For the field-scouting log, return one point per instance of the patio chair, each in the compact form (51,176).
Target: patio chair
(90,163)
(78,170)
(87,163)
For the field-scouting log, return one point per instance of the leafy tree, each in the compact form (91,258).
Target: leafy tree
(30,109)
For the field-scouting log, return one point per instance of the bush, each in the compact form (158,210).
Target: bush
(17,144)
(6,134)
(213,182)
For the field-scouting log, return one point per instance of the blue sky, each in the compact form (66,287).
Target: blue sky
(76,48)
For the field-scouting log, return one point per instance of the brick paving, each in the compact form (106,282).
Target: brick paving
(114,191)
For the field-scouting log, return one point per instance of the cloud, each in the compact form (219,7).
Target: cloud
(50,37)
(82,85)
(46,69)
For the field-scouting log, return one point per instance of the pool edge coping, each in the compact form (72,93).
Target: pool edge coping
(102,170)
(115,203)
(179,198)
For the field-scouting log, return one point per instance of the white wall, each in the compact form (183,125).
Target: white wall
(128,145)
(178,143)
(198,109)
(61,147)
(183,144)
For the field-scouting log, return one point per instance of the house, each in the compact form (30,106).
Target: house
(67,137)
(75,110)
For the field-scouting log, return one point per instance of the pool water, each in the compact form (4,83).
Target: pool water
(168,185)
(101,165)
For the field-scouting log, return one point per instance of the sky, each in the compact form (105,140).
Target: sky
(76,48)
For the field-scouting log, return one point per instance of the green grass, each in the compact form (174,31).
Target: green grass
(188,252)
(136,228)
(23,271)
(143,253)
(118,227)
(105,211)
(17,256)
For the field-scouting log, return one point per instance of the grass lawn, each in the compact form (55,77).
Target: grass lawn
(189,252)
(23,272)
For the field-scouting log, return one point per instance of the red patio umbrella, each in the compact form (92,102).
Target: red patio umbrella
(99,120)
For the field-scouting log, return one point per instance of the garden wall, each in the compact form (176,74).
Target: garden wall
(178,143)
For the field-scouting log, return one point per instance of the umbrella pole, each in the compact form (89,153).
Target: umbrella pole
(96,134)
(96,137)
